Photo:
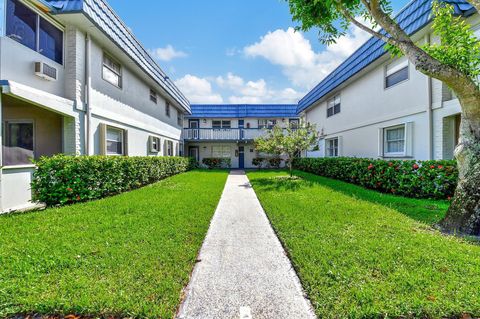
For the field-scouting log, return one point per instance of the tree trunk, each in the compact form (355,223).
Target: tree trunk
(463,216)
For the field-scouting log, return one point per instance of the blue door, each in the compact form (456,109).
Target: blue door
(241,157)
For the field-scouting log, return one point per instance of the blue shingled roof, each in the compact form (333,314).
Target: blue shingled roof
(103,16)
(412,18)
(243,110)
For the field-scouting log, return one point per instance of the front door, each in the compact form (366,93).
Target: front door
(241,157)
(193,152)
(194,132)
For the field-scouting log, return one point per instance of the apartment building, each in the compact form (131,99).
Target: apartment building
(229,130)
(75,80)
(377,106)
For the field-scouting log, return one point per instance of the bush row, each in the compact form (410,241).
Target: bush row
(262,162)
(215,162)
(420,179)
(61,179)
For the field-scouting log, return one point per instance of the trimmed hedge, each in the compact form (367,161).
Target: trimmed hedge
(61,179)
(417,179)
(215,162)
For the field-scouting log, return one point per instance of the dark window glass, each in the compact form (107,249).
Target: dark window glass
(397,77)
(51,41)
(167,110)
(21,24)
(336,109)
(18,145)
(329,112)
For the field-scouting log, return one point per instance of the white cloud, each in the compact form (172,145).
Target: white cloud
(167,54)
(230,81)
(299,62)
(255,92)
(198,90)
(235,90)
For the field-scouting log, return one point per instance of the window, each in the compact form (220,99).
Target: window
(396,72)
(179,119)
(153,96)
(167,109)
(221,151)
(115,141)
(112,71)
(394,139)
(333,105)
(266,124)
(18,145)
(154,144)
(294,123)
(28,28)
(332,147)
(169,148)
(217,124)
(180,152)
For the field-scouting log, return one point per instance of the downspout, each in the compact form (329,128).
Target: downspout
(88,84)
(430,110)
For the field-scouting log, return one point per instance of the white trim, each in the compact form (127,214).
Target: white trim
(41,98)
(385,141)
(122,140)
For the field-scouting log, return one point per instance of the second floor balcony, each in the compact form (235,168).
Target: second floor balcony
(222,134)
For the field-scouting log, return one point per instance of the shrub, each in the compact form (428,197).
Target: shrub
(275,162)
(259,162)
(418,179)
(61,179)
(215,162)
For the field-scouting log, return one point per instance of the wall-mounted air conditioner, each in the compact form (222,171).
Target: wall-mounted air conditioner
(45,71)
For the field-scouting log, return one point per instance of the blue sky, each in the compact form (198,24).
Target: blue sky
(234,51)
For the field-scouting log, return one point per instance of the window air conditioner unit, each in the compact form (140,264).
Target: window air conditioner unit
(45,71)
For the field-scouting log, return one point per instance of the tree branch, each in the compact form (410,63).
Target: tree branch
(363,27)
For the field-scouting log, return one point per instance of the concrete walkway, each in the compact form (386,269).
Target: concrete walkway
(243,271)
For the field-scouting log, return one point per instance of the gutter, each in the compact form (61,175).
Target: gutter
(429,108)
(87,98)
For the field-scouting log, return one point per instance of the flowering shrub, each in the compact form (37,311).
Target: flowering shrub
(420,179)
(272,162)
(215,162)
(61,179)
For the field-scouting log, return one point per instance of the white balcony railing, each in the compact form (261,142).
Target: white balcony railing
(223,134)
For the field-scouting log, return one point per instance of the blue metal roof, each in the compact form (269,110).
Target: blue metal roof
(412,18)
(103,16)
(243,110)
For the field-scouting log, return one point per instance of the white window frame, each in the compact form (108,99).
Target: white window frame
(395,67)
(332,103)
(223,151)
(48,19)
(223,124)
(122,139)
(385,141)
(169,149)
(154,140)
(328,148)
(105,57)
(267,123)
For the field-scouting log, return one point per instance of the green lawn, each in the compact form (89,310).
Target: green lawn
(128,255)
(360,254)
